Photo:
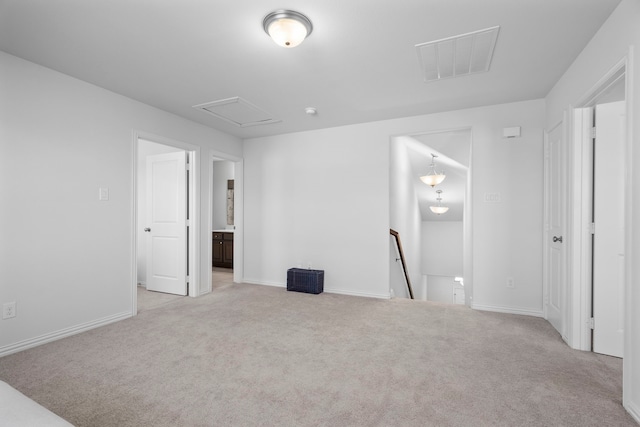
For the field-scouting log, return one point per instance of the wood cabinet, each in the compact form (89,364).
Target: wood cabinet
(222,249)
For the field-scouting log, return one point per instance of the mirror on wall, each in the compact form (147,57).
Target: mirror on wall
(230,202)
(223,197)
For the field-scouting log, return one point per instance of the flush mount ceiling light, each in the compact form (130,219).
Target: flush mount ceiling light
(287,28)
(433,178)
(439,209)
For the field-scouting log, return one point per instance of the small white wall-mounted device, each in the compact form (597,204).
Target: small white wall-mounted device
(512,132)
(103,194)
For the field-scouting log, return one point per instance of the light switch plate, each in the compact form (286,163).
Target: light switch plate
(103,194)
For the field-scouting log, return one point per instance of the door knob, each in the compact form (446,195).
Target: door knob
(557,239)
(147,229)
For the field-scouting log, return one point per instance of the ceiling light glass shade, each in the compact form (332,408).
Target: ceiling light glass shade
(287,28)
(439,210)
(433,179)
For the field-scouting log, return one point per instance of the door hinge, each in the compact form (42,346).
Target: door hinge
(188,222)
(592,228)
(188,166)
(591,323)
(593,132)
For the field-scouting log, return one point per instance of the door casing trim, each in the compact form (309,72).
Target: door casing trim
(193,153)
(238,238)
(579,196)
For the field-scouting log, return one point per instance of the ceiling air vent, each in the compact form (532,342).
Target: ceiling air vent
(458,55)
(237,111)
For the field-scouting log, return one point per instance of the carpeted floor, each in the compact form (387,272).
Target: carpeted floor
(249,355)
(149,300)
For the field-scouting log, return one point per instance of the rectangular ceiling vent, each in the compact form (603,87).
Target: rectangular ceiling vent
(237,111)
(458,55)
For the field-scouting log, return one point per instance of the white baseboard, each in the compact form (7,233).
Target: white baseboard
(633,410)
(62,333)
(508,310)
(327,290)
(264,283)
(357,293)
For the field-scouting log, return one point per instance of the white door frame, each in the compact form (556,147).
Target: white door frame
(579,242)
(193,153)
(238,219)
(579,196)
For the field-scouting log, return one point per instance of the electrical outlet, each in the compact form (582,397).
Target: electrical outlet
(9,310)
(510,283)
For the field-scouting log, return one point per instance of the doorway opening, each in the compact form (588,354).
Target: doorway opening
(165,222)
(437,246)
(225,221)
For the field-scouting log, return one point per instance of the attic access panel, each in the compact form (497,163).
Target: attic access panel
(237,111)
(455,56)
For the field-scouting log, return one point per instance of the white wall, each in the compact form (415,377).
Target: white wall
(608,46)
(318,199)
(222,172)
(405,218)
(145,148)
(442,248)
(442,257)
(66,258)
(323,196)
(440,288)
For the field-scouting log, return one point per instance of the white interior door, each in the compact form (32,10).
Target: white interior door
(555,268)
(608,242)
(167,223)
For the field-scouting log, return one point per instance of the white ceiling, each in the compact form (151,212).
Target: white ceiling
(360,63)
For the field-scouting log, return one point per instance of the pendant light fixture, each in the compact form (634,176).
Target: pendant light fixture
(439,209)
(433,178)
(287,28)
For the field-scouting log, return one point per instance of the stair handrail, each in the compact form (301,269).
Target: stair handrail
(395,234)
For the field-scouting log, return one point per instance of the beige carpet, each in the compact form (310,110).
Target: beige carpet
(260,356)
(221,277)
(149,300)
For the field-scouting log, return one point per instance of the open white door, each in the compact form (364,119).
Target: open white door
(555,204)
(608,242)
(166,224)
